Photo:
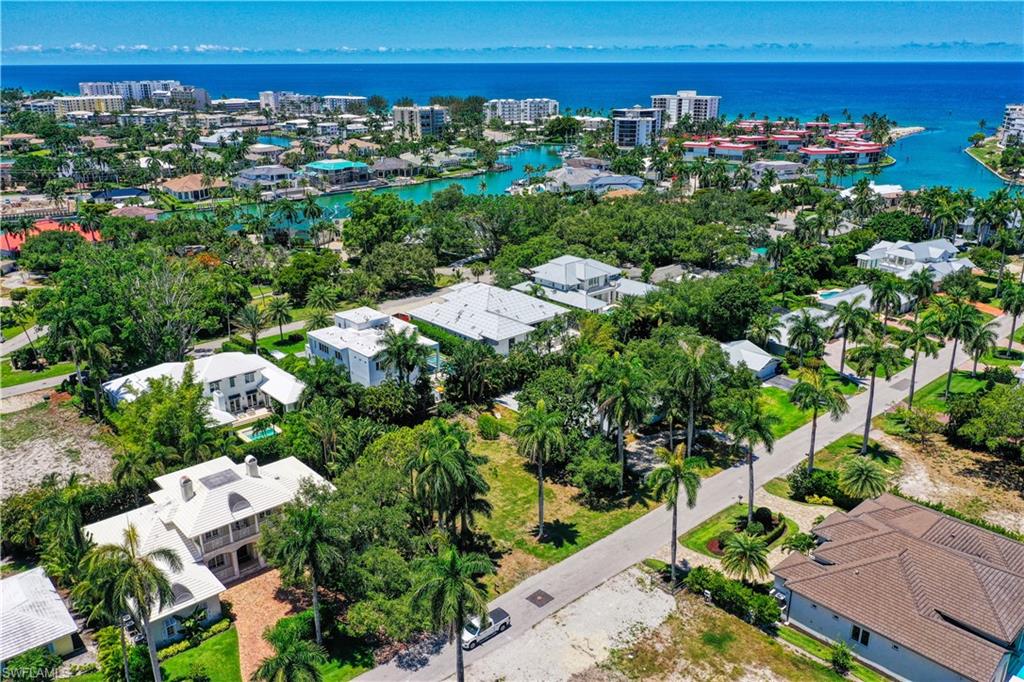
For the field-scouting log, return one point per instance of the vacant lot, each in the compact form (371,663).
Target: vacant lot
(50,438)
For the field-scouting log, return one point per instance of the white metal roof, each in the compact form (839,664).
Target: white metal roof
(366,342)
(481,311)
(750,354)
(573,270)
(32,614)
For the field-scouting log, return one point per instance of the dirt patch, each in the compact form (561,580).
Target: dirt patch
(514,568)
(50,438)
(975,483)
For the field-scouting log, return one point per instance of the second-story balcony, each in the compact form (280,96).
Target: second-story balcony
(240,532)
(216,542)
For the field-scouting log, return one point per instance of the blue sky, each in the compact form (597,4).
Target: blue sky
(253,31)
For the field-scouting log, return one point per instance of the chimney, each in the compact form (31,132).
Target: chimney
(252,468)
(186,489)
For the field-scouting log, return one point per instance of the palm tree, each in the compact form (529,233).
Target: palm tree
(764,329)
(436,470)
(251,320)
(750,426)
(805,335)
(1013,305)
(816,393)
(540,433)
(305,541)
(624,401)
(136,580)
(674,475)
(133,468)
(403,352)
(294,660)
(90,344)
(318,319)
(982,340)
(885,296)
(874,355)
(862,478)
(851,319)
(958,321)
(920,285)
(745,557)
(694,375)
(322,296)
(279,312)
(449,589)
(919,340)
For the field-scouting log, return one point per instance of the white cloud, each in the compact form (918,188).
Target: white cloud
(24,48)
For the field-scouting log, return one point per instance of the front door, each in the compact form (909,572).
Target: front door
(245,554)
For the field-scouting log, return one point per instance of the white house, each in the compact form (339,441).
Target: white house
(240,386)
(763,364)
(583,283)
(903,258)
(571,179)
(356,341)
(33,615)
(498,317)
(210,514)
(860,296)
(265,177)
(915,593)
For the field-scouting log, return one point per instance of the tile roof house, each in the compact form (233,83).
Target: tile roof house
(33,615)
(570,179)
(583,283)
(912,591)
(480,312)
(356,342)
(903,258)
(210,514)
(240,386)
(191,187)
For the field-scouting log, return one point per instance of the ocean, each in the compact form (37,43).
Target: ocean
(949,99)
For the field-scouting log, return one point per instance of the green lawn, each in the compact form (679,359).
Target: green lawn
(823,651)
(901,365)
(698,538)
(847,386)
(790,417)
(931,396)
(349,658)
(10,331)
(13,377)
(218,656)
(1000,357)
(832,455)
(88,677)
(294,342)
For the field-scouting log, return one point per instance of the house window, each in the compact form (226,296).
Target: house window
(337,355)
(250,377)
(861,635)
(322,346)
(216,562)
(169,627)
(210,534)
(214,385)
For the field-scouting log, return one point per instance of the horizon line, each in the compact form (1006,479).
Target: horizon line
(559,62)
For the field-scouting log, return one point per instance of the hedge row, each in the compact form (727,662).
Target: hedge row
(186,644)
(735,597)
(448,341)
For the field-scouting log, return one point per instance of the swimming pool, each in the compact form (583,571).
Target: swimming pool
(832,293)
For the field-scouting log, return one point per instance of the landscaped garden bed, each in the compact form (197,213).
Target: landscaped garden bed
(709,537)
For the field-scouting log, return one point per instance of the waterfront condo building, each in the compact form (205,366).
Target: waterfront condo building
(1012,130)
(416,122)
(699,107)
(521,110)
(287,101)
(130,90)
(344,103)
(636,127)
(94,104)
(182,97)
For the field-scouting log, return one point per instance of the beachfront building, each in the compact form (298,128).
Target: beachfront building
(501,318)
(416,122)
(240,386)
(183,96)
(328,173)
(636,126)
(93,104)
(210,515)
(582,283)
(47,107)
(344,103)
(34,616)
(233,105)
(356,342)
(147,116)
(512,111)
(760,362)
(192,187)
(135,91)
(785,171)
(265,177)
(913,592)
(686,103)
(277,101)
(1012,130)
(593,123)
(903,258)
(571,179)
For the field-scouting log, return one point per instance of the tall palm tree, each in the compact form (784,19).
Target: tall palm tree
(539,434)
(403,352)
(919,339)
(875,355)
(958,321)
(816,393)
(624,401)
(322,296)
(90,343)
(694,374)
(806,335)
(436,470)
(1013,305)
(136,580)
(318,319)
(304,540)
(745,557)
(850,318)
(921,286)
(449,589)
(133,468)
(750,426)
(279,312)
(295,660)
(251,320)
(982,340)
(676,474)
(862,478)
(885,296)
(58,524)
(764,328)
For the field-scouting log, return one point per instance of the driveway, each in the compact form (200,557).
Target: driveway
(258,603)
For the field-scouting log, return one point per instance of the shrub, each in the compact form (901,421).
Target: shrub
(186,644)
(19,294)
(724,537)
(776,532)
(819,499)
(734,597)
(597,477)
(111,663)
(35,665)
(488,427)
(763,515)
(841,658)
(820,483)
(446,410)
(755,528)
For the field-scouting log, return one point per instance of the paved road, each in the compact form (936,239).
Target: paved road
(568,580)
(33,386)
(21,340)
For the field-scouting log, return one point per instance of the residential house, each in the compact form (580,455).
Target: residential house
(785,171)
(265,177)
(583,283)
(210,515)
(356,342)
(119,195)
(903,258)
(192,187)
(353,146)
(146,213)
(861,296)
(268,153)
(389,167)
(240,386)
(337,172)
(763,364)
(571,179)
(498,317)
(913,592)
(34,616)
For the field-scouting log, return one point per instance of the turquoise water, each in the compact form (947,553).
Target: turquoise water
(829,294)
(268,432)
(760,250)
(276,140)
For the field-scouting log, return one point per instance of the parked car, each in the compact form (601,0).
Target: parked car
(473,634)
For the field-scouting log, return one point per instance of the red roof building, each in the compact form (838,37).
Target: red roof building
(10,244)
